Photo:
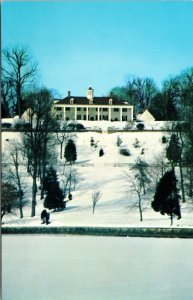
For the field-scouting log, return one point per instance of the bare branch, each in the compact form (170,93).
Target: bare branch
(95,199)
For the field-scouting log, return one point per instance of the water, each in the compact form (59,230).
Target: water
(59,267)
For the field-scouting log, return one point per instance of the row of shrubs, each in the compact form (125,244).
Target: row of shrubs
(71,126)
(6,125)
(136,144)
(17,126)
(139,126)
(27,126)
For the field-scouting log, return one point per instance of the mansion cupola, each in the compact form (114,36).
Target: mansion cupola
(90,94)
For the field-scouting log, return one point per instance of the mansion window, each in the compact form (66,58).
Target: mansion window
(58,108)
(78,108)
(105,109)
(116,109)
(124,118)
(124,109)
(68,108)
(72,101)
(78,117)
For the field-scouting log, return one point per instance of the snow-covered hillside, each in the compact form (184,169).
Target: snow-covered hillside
(109,174)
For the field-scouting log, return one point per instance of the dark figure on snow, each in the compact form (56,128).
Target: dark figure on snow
(45,216)
(101,152)
(69,196)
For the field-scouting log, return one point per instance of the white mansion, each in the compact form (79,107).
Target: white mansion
(92,108)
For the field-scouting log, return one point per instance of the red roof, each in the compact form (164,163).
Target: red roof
(85,101)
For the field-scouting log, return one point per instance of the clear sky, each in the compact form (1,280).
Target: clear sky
(101,43)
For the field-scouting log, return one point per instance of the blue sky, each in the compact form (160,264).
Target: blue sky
(101,43)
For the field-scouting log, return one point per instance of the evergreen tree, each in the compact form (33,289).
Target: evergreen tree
(70,151)
(166,198)
(174,150)
(92,142)
(54,195)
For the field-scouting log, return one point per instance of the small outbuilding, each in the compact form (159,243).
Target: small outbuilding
(145,116)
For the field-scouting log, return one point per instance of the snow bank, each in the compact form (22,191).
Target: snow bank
(99,268)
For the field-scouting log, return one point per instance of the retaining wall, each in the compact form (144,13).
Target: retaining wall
(102,231)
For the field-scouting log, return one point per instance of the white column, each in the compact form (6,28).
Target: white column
(109,113)
(75,113)
(64,113)
(121,113)
(87,113)
(131,110)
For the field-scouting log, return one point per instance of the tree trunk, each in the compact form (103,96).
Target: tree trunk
(19,94)
(140,208)
(191,182)
(182,181)
(34,191)
(20,205)
(180,165)
(2,214)
(61,149)
(70,182)
(144,190)
(28,161)
(43,173)
(171,218)
(19,185)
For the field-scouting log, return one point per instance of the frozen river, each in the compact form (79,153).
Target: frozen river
(59,267)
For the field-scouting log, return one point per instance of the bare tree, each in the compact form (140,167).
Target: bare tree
(186,112)
(9,196)
(7,98)
(70,180)
(141,170)
(171,95)
(158,168)
(139,182)
(14,173)
(141,92)
(36,138)
(174,154)
(62,136)
(19,70)
(181,138)
(95,199)
(120,94)
(47,147)
(137,187)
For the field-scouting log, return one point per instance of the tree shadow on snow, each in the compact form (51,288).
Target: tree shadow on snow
(71,208)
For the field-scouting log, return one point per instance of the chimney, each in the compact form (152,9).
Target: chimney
(69,94)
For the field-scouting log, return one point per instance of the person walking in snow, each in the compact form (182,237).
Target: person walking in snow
(45,216)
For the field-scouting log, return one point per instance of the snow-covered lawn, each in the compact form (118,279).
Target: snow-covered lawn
(116,206)
(47,267)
